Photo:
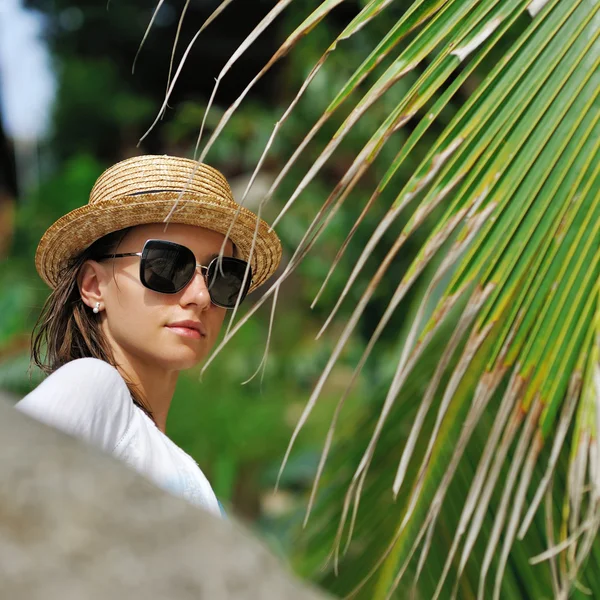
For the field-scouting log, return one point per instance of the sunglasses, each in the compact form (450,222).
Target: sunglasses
(167,267)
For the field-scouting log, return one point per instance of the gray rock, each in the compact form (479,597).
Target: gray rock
(78,525)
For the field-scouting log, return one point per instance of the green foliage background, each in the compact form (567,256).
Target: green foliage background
(239,434)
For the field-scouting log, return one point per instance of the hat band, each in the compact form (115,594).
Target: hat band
(155,191)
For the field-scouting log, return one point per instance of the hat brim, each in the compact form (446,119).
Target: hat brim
(77,230)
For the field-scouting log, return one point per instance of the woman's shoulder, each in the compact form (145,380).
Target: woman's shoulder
(82,379)
(88,370)
(86,397)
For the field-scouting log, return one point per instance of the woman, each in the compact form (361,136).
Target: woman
(135,301)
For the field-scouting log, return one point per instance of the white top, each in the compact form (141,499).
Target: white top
(89,399)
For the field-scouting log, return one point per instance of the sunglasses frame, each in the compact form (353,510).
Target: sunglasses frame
(204,269)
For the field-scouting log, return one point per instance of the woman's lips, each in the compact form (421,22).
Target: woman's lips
(186,332)
(190,329)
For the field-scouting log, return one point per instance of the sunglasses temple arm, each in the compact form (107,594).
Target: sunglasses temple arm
(119,255)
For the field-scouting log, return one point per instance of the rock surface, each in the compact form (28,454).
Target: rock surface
(78,525)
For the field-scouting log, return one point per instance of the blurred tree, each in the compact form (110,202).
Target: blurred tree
(8,190)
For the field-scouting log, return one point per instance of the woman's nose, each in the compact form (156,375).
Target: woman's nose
(196,291)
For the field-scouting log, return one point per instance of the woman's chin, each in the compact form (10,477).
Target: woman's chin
(181,359)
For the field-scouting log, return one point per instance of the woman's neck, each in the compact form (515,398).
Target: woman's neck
(155,386)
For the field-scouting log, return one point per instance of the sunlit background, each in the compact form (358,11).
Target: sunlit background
(71,106)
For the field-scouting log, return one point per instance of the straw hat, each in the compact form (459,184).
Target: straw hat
(144,189)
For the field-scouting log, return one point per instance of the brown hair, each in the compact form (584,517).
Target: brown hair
(67,328)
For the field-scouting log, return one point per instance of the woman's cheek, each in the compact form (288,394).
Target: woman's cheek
(217,322)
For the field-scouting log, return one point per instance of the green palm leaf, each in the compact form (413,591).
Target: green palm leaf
(506,329)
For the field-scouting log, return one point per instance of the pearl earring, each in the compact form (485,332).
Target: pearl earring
(96,308)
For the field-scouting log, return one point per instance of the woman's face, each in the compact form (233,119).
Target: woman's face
(139,323)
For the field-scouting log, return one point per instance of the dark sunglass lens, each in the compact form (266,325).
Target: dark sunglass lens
(167,267)
(225,279)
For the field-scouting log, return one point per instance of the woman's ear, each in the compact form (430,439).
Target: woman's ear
(89,282)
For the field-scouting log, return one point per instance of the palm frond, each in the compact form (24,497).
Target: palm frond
(506,208)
